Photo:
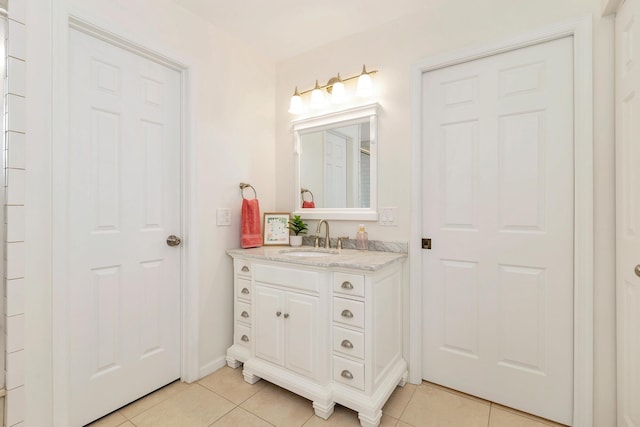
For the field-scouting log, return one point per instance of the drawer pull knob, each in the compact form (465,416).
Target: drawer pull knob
(244,314)
(286,315)
(244,291)
(244,338)
(278,313)
(244,268)
(346,344)
(346,374)
(347,313)
(346,285)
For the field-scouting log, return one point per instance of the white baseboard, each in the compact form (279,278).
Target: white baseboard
(211,367)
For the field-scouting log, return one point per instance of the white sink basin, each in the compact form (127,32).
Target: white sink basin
(308,253)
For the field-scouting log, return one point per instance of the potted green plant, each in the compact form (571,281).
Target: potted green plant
(297,227)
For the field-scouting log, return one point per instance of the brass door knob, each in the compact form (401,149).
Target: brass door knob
(173,240)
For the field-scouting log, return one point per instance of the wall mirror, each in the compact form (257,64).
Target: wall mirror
(336,165)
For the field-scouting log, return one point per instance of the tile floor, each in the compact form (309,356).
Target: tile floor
(223,399)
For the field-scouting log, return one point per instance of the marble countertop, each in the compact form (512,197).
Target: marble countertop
(320,257)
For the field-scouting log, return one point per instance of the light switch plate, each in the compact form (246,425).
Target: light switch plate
(223,217)
(389,216)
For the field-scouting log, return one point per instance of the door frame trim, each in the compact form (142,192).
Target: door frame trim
(581,31)
(189,334)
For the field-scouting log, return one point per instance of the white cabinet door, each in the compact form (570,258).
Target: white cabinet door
(628,212)
(301,333)
(286,329)
(269,312)
(498,205)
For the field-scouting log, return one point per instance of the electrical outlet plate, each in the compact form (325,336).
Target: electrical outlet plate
(223,217)
(389,216)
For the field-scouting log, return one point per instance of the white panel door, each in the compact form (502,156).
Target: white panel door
(628,212)
(498,205)
(123,201)
(335,170)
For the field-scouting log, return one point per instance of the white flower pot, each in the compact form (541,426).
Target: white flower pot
(295,240)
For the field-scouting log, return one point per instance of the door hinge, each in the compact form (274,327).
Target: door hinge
(426,243)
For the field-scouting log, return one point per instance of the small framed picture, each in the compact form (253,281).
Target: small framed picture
(275,231)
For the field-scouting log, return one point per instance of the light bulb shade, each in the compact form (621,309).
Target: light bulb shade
(295,105)
(365,86)
(317,97)
(338,93)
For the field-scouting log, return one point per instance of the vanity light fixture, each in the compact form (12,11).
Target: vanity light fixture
(365,86)
(296,106)
(336,88)
(317,97)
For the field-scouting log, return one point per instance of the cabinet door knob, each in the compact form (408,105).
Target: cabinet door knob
(347,313)
(244,268)
(278,313)
(346,344)
(286,315)
(245,338)
(244,314)
(346,374)
(244,291)
(346,285)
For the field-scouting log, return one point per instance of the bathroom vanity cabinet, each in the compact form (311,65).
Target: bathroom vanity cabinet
(328,328)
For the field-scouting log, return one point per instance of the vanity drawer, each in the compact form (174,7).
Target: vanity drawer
(348,342)
(292,278)
(243,312)
(348,312)
(243,335)
(348,284)
(242,267)
(243,290)
(348,372)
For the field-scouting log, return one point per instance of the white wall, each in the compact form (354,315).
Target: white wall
(231,131)
(393,49)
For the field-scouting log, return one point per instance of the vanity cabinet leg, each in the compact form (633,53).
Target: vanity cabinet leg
(233,363)
(322,409)
(249,377)
(370,419)
(403,380)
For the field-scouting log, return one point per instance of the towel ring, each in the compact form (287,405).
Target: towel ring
(243,186)
(304,190)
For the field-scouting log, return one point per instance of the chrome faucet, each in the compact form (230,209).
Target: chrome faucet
(326,234)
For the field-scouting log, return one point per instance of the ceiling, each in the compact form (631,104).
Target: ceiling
(284,28)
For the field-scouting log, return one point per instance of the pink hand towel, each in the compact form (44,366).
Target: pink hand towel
(251,236)
(310,204)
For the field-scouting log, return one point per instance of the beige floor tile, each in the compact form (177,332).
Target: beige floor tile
(151,400)
(279,406)
(112,420)
(240,417)
(195,406)
(501,413)
(229,383)
(399,400)
(401,424)
(127,424)
(434,407)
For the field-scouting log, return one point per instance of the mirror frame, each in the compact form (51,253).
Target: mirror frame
(331,120)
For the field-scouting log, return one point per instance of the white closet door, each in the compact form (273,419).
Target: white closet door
(498,205)
(123,202)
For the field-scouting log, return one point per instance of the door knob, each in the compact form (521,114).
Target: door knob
(637,270)
(173,240)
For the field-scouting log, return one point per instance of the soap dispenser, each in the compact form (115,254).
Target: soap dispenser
(362,239)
